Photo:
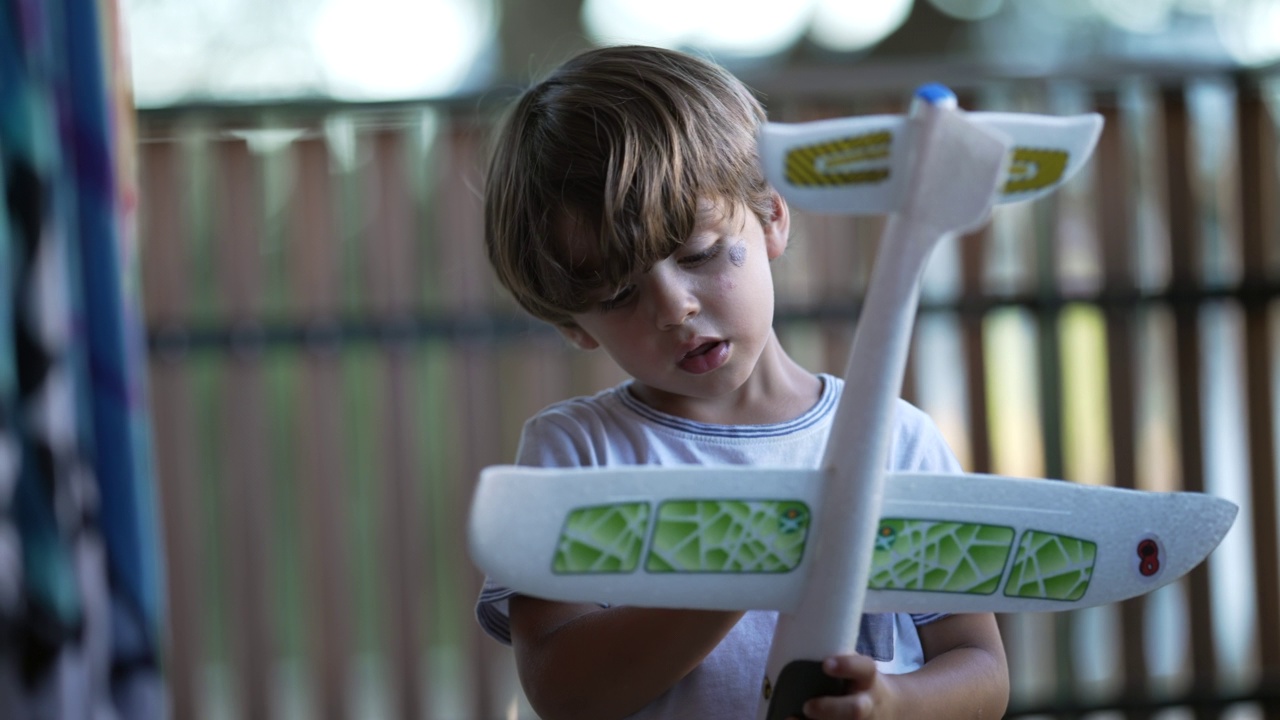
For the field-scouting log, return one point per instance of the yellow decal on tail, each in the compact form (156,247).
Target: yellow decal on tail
(1034,169)
(840,162)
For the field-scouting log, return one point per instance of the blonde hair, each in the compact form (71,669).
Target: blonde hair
(626,141)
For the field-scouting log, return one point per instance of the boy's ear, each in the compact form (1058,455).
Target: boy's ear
(778,228)
(579,337)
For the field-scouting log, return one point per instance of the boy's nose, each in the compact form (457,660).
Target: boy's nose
(673,304)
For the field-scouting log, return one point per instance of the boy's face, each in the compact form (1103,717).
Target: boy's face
(693,326)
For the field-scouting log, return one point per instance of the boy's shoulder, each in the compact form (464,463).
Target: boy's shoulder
(582,408)
(918,443)
(578,418)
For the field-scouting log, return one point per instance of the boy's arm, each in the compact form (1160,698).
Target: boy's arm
(965,675)
(585,661)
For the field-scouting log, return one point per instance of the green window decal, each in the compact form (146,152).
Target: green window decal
(602,539)
(937,556)
(729,536)
(1052,567)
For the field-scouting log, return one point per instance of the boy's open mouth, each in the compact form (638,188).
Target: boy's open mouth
(702,349)
(706,357)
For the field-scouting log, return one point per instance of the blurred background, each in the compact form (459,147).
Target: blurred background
(331,362)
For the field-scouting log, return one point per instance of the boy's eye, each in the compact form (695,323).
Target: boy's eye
(700,257)
(619,299)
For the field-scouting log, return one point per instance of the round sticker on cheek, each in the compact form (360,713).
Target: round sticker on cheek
(1149,557)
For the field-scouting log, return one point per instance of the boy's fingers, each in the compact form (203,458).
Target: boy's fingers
(839,707)
(859,670)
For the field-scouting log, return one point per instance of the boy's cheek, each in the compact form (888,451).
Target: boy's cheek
(580,338)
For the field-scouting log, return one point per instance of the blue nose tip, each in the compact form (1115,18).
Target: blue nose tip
(936,94)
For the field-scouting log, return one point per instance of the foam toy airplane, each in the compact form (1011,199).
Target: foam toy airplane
(824,545)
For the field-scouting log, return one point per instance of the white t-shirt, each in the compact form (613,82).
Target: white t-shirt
(614,428)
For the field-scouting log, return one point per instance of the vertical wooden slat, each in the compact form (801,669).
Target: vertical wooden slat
(974,251)
(1048,318)
(839,252)
(1184,253)
(312,262)
(1120,280)
(439,555)
(453,240)
(1049,338)
(390,260)
(910,386)
(163,220)
(973,256)
(1258,187)
(972,260)
(246,488)
(466,279)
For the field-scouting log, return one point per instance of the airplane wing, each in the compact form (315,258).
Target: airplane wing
(731,538)
(855,165)
(984,543)
(686,536)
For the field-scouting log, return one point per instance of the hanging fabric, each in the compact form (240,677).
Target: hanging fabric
(80,610)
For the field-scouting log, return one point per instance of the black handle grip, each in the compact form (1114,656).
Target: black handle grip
(799,681)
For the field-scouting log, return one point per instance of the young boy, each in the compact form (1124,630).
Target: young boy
(625,206)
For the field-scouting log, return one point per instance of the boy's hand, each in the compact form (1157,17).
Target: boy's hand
(868,693)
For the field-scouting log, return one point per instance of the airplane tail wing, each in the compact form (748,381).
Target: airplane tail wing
(1047,150)
(857,165)
(848,165)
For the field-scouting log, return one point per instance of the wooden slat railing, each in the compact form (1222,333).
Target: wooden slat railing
(1185,248)
(392,288)
(245,490)
(162,181)
(1114,175)
(1260,234)
(475,392)
(313,260)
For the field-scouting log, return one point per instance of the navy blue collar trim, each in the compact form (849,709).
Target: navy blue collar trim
(808,419)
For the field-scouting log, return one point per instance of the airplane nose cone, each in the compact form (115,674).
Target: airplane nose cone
(936,94)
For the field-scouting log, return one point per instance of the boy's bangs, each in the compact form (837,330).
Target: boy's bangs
(603,255)
(600,256)
(677,183)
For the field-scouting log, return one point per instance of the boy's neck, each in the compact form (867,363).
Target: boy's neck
(779,389)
